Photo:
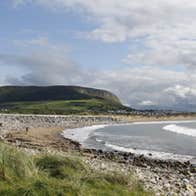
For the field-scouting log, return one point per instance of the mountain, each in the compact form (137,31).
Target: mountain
(36,93)
(57,100)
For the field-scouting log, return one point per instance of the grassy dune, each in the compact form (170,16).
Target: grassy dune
(49,175)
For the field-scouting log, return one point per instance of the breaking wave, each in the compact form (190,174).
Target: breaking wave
(163,122)
(180,129)
(81,134)
(149,153)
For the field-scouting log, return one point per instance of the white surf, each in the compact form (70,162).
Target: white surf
(81,134)
(149,153)
(180,129)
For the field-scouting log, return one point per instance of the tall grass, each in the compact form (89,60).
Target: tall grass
(55,175)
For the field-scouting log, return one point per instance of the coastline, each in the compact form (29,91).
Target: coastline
(169,175)
(81,134)
(71,135)
(161,176)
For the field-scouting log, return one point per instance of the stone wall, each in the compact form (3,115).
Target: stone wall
(17,122)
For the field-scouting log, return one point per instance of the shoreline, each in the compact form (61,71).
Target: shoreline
(81,134)
(161,176)
(55,136)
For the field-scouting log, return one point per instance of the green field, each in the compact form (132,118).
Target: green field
(85,106)
(58,100)
(22,174)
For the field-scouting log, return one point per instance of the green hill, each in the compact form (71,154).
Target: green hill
(57,100)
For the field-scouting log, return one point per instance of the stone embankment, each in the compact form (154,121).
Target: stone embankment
(17,122)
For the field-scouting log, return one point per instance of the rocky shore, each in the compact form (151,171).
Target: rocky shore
(163,178)
(38,132)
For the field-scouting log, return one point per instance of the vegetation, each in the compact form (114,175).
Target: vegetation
(58,100)
(93,106)
(49,175)
(52,93)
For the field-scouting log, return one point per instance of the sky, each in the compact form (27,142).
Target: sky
(143,51)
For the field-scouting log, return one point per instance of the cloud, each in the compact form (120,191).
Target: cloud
(160,27)
(160,34)
(182,91)
(165,53)
(137,87)
(48,63)
(45,63)
(147,103)
(118,20)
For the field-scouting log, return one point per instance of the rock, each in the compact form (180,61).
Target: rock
(100,151)
(191,190)
(167,185)
(186,181)
(153,181)
(103,166)
(20,122)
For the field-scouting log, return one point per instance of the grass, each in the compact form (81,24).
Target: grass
(94,106)
(57,175)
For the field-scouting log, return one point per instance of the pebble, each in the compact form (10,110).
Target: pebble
(164,178)
(186,181)
(163,182)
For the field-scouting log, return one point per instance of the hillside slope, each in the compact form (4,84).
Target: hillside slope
(35,93)
(57,100)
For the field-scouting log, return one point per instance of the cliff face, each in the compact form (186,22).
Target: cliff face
(53,93)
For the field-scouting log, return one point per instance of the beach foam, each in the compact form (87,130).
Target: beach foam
(164,122)
(81,134)
(98,140)
(150,154)
(180,129)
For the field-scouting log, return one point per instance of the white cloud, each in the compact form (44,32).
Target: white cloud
(47,63)
(182,91)
(147,103)
(44,61)
(165,29)
(110,33)
(133,85)
(160,33)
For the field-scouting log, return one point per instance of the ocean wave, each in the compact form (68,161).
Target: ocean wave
(98,140)
(81,134)
(149,153)
(180,129)
(164,122)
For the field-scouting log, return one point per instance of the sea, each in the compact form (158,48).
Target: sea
(160,139)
